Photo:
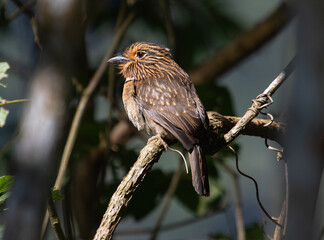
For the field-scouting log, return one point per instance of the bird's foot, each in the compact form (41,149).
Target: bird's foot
(159,139)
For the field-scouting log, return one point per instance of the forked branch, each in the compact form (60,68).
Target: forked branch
(152,151)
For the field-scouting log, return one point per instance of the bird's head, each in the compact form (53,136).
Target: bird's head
(143,59)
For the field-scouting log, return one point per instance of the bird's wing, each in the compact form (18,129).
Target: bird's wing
(174,105)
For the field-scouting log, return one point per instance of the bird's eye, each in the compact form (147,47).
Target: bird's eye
(140,55)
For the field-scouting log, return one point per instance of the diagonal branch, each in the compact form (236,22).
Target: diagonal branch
(23,8)
(118,202)
(220,124)
(82,105)
(150,154)
(241,47)
(55,220)
(167,201)
(260,103)
(85,98)
(155,146)
(176,225)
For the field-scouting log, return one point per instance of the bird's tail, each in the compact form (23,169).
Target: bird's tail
(199,172)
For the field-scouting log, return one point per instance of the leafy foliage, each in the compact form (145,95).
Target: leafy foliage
(56,195)
(254,232)
(3,115)
(3,69)
(5,185)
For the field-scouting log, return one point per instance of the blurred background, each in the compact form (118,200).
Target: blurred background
(71,40)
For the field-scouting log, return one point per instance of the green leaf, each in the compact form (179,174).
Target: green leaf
(3,197)
(2,100)
(56,195)
(254,232)
(3,116)
(3,68)
(5,183)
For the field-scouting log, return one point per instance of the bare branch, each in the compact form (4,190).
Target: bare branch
(245,44)
(118,202)
(85,97)
(155,146)
(222,124)
(278,233)
(167,200)
(238,203)
(259,103)
(82,105)
(23,8)
(165,7)
(54,219)
(149,155)
(175,225)
(5,102)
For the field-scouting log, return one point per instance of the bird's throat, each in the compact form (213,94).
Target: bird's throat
(129,80)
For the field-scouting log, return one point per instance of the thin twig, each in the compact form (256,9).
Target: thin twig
(278,233)
(167,200)
(253,111)
(118,202)
(286,199)
(256,187)
(165,7)
(83,102)
(110,96)
(13,101)
(238,203)
(85,97)
(220,124)
(21,9)
(173,226)
(54,219)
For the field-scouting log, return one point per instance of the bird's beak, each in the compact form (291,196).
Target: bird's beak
(118,59)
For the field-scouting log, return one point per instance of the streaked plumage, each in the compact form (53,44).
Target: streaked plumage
(160,97)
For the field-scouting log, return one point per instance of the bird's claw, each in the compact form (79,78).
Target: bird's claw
(160,139)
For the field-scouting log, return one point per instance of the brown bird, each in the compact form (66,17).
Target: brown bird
(160,97)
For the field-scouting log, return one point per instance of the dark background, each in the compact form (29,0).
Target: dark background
(195,31)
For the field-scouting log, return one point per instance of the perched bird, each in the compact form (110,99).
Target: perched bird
(159,96)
